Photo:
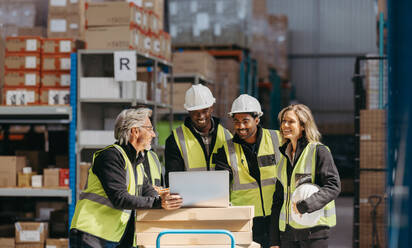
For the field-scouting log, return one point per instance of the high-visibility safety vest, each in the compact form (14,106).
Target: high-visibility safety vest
(95,214)
(195,160)
(244,188)
(306,165)
(155,168)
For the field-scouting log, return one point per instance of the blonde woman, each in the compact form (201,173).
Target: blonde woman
(303,208)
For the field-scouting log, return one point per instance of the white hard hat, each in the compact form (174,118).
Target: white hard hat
(246,104)
(198,97)
(303,192)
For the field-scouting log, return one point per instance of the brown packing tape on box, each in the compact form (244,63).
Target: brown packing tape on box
(230,225)
(190,239)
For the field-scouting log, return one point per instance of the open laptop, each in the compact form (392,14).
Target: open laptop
(201,188)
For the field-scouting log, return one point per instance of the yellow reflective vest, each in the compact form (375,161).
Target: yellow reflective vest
(245,189)
(95,214)
(155,168)
(306,164)
(191,150)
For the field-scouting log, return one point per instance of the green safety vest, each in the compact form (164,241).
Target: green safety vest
(305,165)
(95,214)
(155,168)
(195,159)
(244,188)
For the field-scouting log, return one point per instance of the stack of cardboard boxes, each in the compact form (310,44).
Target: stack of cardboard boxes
(66,19)
(123,25)
(22,70)
(372,174)
(238,220)
(55,75)
(372,84)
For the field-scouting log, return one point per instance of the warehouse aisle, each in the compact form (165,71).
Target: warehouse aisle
(341,235)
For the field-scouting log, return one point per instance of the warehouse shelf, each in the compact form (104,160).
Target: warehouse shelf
(190,78)
(33,192)
(35,114)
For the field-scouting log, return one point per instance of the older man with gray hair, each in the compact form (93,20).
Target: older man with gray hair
(116,186)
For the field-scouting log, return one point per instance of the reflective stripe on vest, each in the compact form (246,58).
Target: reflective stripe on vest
(244,188)
(155,168)
(95,213)
(306,166)
(195,159)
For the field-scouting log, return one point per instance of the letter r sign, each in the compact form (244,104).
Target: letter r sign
(125,66)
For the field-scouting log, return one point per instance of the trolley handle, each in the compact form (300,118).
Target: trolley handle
(196,231)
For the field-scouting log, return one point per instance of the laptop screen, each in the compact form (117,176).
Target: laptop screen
(201,188)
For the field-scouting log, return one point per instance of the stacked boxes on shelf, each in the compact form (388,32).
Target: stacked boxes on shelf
(16,14)
(238,220)
(66,19)
(122,25)
(55,76)
(372,173)
(22,71)
(31,234)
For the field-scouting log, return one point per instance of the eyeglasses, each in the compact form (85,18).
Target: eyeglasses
(149,128)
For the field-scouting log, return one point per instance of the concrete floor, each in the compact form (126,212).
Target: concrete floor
(341,234)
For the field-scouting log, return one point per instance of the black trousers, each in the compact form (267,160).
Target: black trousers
(310,243)
(261,227)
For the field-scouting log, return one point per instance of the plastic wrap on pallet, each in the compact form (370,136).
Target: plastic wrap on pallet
(19,13)
(371,71)
(209,22)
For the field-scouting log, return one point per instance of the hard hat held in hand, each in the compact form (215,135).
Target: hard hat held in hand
(198,97)
(303,192)
(246,104)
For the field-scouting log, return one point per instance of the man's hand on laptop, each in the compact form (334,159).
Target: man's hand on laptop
(171,201)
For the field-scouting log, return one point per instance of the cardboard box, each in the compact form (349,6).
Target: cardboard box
(373,125)
(66,7)
(20,96)
(22,61)
(7,242)
(84,173)
(157,7)
(55,79)
(58,45)
(179,93)
(22,78)
(64,177)
(120,37)
(197,214)
(30,245)
(372,183)
(195,62)
(36,159)
(372,154)
(154,23)
(37,181)
(31,232)
(44,208)
(156,45)
(165,46)
(184,239)
(24,179)
(56,62)
(110,14)
(34,31)
(9,167)
(51,177)
(55,96)
(23,44)
(66,26)
(57,243)
(158,226)
(141,19)
(108,88)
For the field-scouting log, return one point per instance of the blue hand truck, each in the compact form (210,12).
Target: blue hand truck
(195,231)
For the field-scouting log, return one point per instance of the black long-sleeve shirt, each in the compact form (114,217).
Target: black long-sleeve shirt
(173,158)
(326,176)
(109,169)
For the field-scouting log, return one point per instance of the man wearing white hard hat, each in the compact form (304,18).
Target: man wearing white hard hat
(308,183)
(191,146)
(251,158)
